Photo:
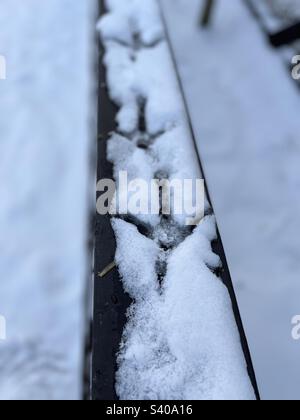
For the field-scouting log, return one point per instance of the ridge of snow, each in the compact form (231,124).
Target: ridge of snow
(181,340)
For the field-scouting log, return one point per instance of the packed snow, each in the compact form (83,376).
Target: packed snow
(245,111)
(45,105)
(181,340)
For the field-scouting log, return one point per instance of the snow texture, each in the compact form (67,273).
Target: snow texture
(181,340)
(245,112)
(286,10)
(276,15)
(129,86)
(44,167)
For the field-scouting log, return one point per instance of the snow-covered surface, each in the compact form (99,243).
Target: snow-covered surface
(181,340)
(275,15)
(245,112)
(44,157)
(287,11)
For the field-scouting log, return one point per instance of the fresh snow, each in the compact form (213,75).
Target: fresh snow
(127,71)
(44,167)
(245,111)
(126,19)
(181,340)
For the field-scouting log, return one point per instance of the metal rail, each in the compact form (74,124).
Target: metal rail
(110,300)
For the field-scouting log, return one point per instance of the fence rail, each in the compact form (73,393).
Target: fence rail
(110,300)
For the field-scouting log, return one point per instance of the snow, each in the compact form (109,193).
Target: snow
(276,15)
(181,340)
(134,82)
(129,86)
(44,167)
(244,109)
(286,10)
(137,164)
(167,155)
(125,20)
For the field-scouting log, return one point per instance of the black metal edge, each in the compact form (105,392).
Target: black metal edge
(110,300)
(90,239)
(286,36)
(217,244)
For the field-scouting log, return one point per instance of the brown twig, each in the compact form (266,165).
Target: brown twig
(107,269)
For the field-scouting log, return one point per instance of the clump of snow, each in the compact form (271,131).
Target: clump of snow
(181,340)
(128,19)
(138,165)
(168,154)
(132,77)
(138,268)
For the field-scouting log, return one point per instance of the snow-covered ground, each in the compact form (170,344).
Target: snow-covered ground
(181,341)
(45,106)
(245,112)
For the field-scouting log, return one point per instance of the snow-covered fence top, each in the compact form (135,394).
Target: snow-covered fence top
(181,340)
